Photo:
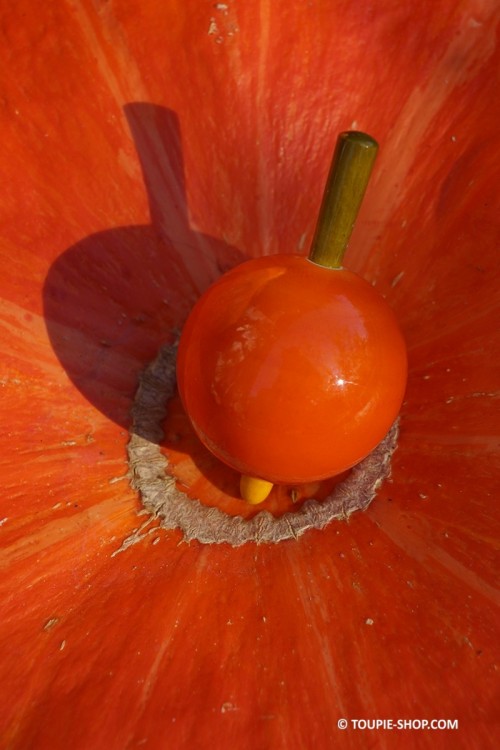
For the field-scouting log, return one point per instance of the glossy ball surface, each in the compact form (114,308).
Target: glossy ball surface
(290,371)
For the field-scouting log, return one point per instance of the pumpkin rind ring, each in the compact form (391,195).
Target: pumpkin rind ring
(149,475)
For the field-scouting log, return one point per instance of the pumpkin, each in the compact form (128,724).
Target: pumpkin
(146,148)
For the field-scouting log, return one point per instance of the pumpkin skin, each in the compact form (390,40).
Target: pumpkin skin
(175,645)
(290,371)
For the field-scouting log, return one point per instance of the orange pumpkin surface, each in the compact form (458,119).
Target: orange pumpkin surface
(146,148)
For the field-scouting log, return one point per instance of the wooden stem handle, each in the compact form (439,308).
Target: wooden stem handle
(345,188)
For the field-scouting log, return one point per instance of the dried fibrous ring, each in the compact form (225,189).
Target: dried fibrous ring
(149,475)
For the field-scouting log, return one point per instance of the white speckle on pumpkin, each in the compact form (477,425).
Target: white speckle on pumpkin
(51,623)
(397,279)
(368,621)
(113,480)
(213,28)
(301,241)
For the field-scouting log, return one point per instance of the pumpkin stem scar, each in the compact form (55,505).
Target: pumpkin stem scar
(149,475)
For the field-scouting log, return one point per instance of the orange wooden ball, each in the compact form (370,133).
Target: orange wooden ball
(290,371)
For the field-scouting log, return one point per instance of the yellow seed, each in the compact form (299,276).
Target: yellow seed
(253,490)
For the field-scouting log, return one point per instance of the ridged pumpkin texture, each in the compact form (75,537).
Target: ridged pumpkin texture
(146,148)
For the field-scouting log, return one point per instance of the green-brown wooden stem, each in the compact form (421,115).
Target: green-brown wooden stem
(345,188)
